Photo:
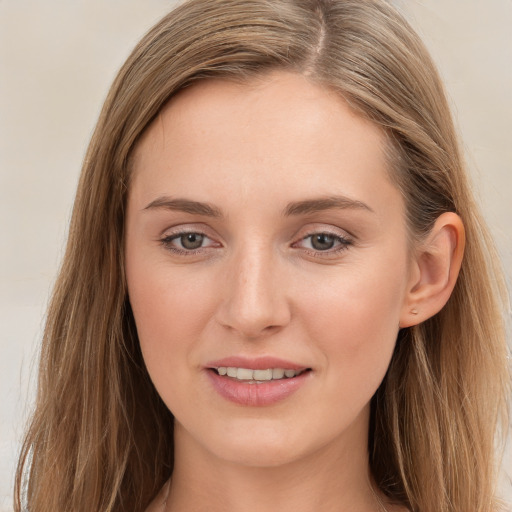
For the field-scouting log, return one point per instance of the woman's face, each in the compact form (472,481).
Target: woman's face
(264,235)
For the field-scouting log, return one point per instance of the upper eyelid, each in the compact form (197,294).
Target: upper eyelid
(301,234)
(167,241)
(178,234)
(328,233)
(344,240)
(306,231)
(186,228)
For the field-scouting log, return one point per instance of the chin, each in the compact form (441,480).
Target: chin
(263,455)
(252,442)
(262,443)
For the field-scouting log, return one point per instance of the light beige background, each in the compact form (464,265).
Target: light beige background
(57,60)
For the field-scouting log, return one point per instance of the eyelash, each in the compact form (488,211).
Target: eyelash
(342,241)
(168,240)
(343,244)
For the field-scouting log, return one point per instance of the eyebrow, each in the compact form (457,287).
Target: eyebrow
(324,203)
(296,208)
(184,205)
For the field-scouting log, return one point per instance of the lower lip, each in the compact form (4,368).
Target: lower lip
(256,394)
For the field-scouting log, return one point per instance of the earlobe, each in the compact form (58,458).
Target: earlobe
(436,267)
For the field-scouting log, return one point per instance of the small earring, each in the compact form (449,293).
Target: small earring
(414,311)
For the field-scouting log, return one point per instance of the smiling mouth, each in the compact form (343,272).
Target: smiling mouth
(260,386)
(250,376)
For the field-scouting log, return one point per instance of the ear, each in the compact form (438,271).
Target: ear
(435,267)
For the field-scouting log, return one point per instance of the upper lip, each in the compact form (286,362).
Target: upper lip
(257,363)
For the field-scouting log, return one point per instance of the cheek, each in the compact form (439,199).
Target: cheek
(355,304)
(354,322)
(171,309)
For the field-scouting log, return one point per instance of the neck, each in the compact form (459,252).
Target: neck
(333,478)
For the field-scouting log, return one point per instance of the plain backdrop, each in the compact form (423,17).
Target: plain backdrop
(57,60)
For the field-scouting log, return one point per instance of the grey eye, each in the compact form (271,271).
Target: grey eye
(191,241)
(322,241)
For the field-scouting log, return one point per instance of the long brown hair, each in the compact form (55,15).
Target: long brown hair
(101,438)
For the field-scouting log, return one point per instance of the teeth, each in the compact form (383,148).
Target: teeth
(244,374)
(262,374)
(277,373)
(257,375)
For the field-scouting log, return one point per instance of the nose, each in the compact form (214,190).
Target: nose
(254,296)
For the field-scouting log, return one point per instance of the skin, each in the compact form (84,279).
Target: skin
(259,286)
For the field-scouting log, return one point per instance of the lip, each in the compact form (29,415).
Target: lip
(258,363)
(256,394)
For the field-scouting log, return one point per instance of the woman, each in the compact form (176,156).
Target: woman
(278,291)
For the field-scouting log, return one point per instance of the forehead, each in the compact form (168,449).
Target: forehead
(278,132)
